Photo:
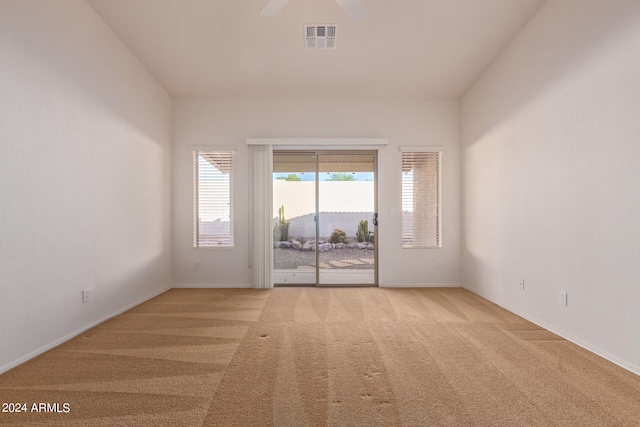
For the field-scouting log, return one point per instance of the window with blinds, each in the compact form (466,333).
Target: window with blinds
(213,205)
(421,199)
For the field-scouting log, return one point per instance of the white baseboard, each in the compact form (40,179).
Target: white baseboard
(77,332)
(212,286)
(422,285)
(569,337)
(249,286)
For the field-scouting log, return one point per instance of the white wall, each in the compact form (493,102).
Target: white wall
(551,177)
(85,171)
(230,121)
(343,204)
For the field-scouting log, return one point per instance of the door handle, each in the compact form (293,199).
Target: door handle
(375,218)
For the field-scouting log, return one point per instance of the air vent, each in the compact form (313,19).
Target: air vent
(320,36)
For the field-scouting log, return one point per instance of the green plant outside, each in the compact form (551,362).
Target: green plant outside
(338,236)
(281,229)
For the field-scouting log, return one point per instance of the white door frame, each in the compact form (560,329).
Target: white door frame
(263,277)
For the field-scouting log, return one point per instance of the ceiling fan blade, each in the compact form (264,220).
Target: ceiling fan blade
(273,7)
(354,9)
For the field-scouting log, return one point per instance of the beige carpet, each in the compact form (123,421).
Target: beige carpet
(314,357)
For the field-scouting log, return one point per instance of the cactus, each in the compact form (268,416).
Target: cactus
(338,236)
(363,233)
(281,229)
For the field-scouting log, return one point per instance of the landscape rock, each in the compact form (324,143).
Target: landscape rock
(340,246)
(323,247)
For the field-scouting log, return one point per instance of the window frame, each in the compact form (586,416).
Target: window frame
(228,154)
(416,150)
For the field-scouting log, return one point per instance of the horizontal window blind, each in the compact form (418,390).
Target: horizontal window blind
(421,199)
(213,207)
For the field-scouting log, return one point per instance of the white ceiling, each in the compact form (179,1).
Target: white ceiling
(401,49)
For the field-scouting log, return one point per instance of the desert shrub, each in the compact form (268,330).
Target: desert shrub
(338,236)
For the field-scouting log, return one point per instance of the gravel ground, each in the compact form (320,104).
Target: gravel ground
(292,258)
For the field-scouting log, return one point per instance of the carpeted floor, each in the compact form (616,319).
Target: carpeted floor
(313,357)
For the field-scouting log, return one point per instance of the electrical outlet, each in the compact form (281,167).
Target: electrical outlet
(85,296)
(521,284)
(197,264)
(562,299)
(438,263)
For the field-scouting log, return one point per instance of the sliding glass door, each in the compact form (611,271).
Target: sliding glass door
(324,218)
(346,196)
(294,213)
